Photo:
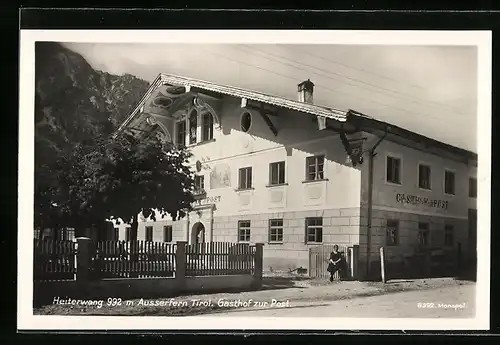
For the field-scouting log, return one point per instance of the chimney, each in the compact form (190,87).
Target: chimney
(305,91)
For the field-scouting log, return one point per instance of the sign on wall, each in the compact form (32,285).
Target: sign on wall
(208,200)
(418,200)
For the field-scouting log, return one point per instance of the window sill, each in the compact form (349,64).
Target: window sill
(243,189)
(425,189)
(448,194)
(312,181)
(205,142)
(389,183)
(277,185)
(313,243)
(200,143)
(275,242)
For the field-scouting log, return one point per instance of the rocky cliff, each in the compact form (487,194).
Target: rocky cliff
(75,103)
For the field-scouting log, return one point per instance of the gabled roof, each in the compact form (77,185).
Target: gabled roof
(334,114)
(361,121)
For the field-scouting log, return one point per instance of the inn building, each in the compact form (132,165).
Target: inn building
(293,175)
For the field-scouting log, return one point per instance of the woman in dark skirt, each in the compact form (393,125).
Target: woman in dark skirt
(335,263)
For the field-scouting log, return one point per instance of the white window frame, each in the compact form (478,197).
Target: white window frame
(176,131)
(422,163)
(247,229)
(202,178)
(246,176)
(316,154)
(454,172)
(401,165)
(202,125)
(284,173)
(316,227)
(275,227)
(188,127)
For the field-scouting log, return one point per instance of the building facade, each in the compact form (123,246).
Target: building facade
(293,175)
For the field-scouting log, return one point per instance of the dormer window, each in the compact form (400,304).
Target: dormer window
(180,138)
(207,121)
(193,126)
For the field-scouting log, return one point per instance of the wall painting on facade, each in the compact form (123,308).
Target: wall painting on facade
(220,176)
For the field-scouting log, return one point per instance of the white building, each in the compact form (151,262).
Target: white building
(293,175)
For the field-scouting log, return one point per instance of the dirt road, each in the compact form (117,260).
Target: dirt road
(446,302)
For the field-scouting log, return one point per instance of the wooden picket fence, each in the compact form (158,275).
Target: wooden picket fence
(136,259)
(219,258)
(54,260)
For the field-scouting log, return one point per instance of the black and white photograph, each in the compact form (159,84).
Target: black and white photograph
(278,180)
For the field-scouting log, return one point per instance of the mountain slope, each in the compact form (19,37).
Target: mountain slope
(75,103)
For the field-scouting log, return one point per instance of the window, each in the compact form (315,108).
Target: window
(127,233)
(244,231)
(208,126)
(246,121)
(393,170)
(276,230)
(448,235)
(181,133)
(315,167)
(149,233)
(193,126)
(472,187)
(314,230)
(245,178)
(167,233)
(424,176)
(117,234)
(199,183)
(392,232)
(449,182)
(423,234)
(277,173)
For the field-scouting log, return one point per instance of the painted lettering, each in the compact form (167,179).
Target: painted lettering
(417,200)
(209,200)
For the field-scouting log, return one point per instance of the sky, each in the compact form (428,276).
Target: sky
(431,90)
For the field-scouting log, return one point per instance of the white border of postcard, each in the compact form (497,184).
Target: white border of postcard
(28,321)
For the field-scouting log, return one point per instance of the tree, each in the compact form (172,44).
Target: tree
(116,179)
(133,175)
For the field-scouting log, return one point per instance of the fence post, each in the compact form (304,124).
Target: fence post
(355,261)
(180,265)
(257,275)
(83,259)
(382,264)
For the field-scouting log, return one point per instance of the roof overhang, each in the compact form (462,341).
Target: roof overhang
(214,90)
(409,139)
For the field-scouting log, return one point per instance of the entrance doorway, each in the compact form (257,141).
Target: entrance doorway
(198,233)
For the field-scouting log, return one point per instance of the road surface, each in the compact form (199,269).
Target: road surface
(445,302)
